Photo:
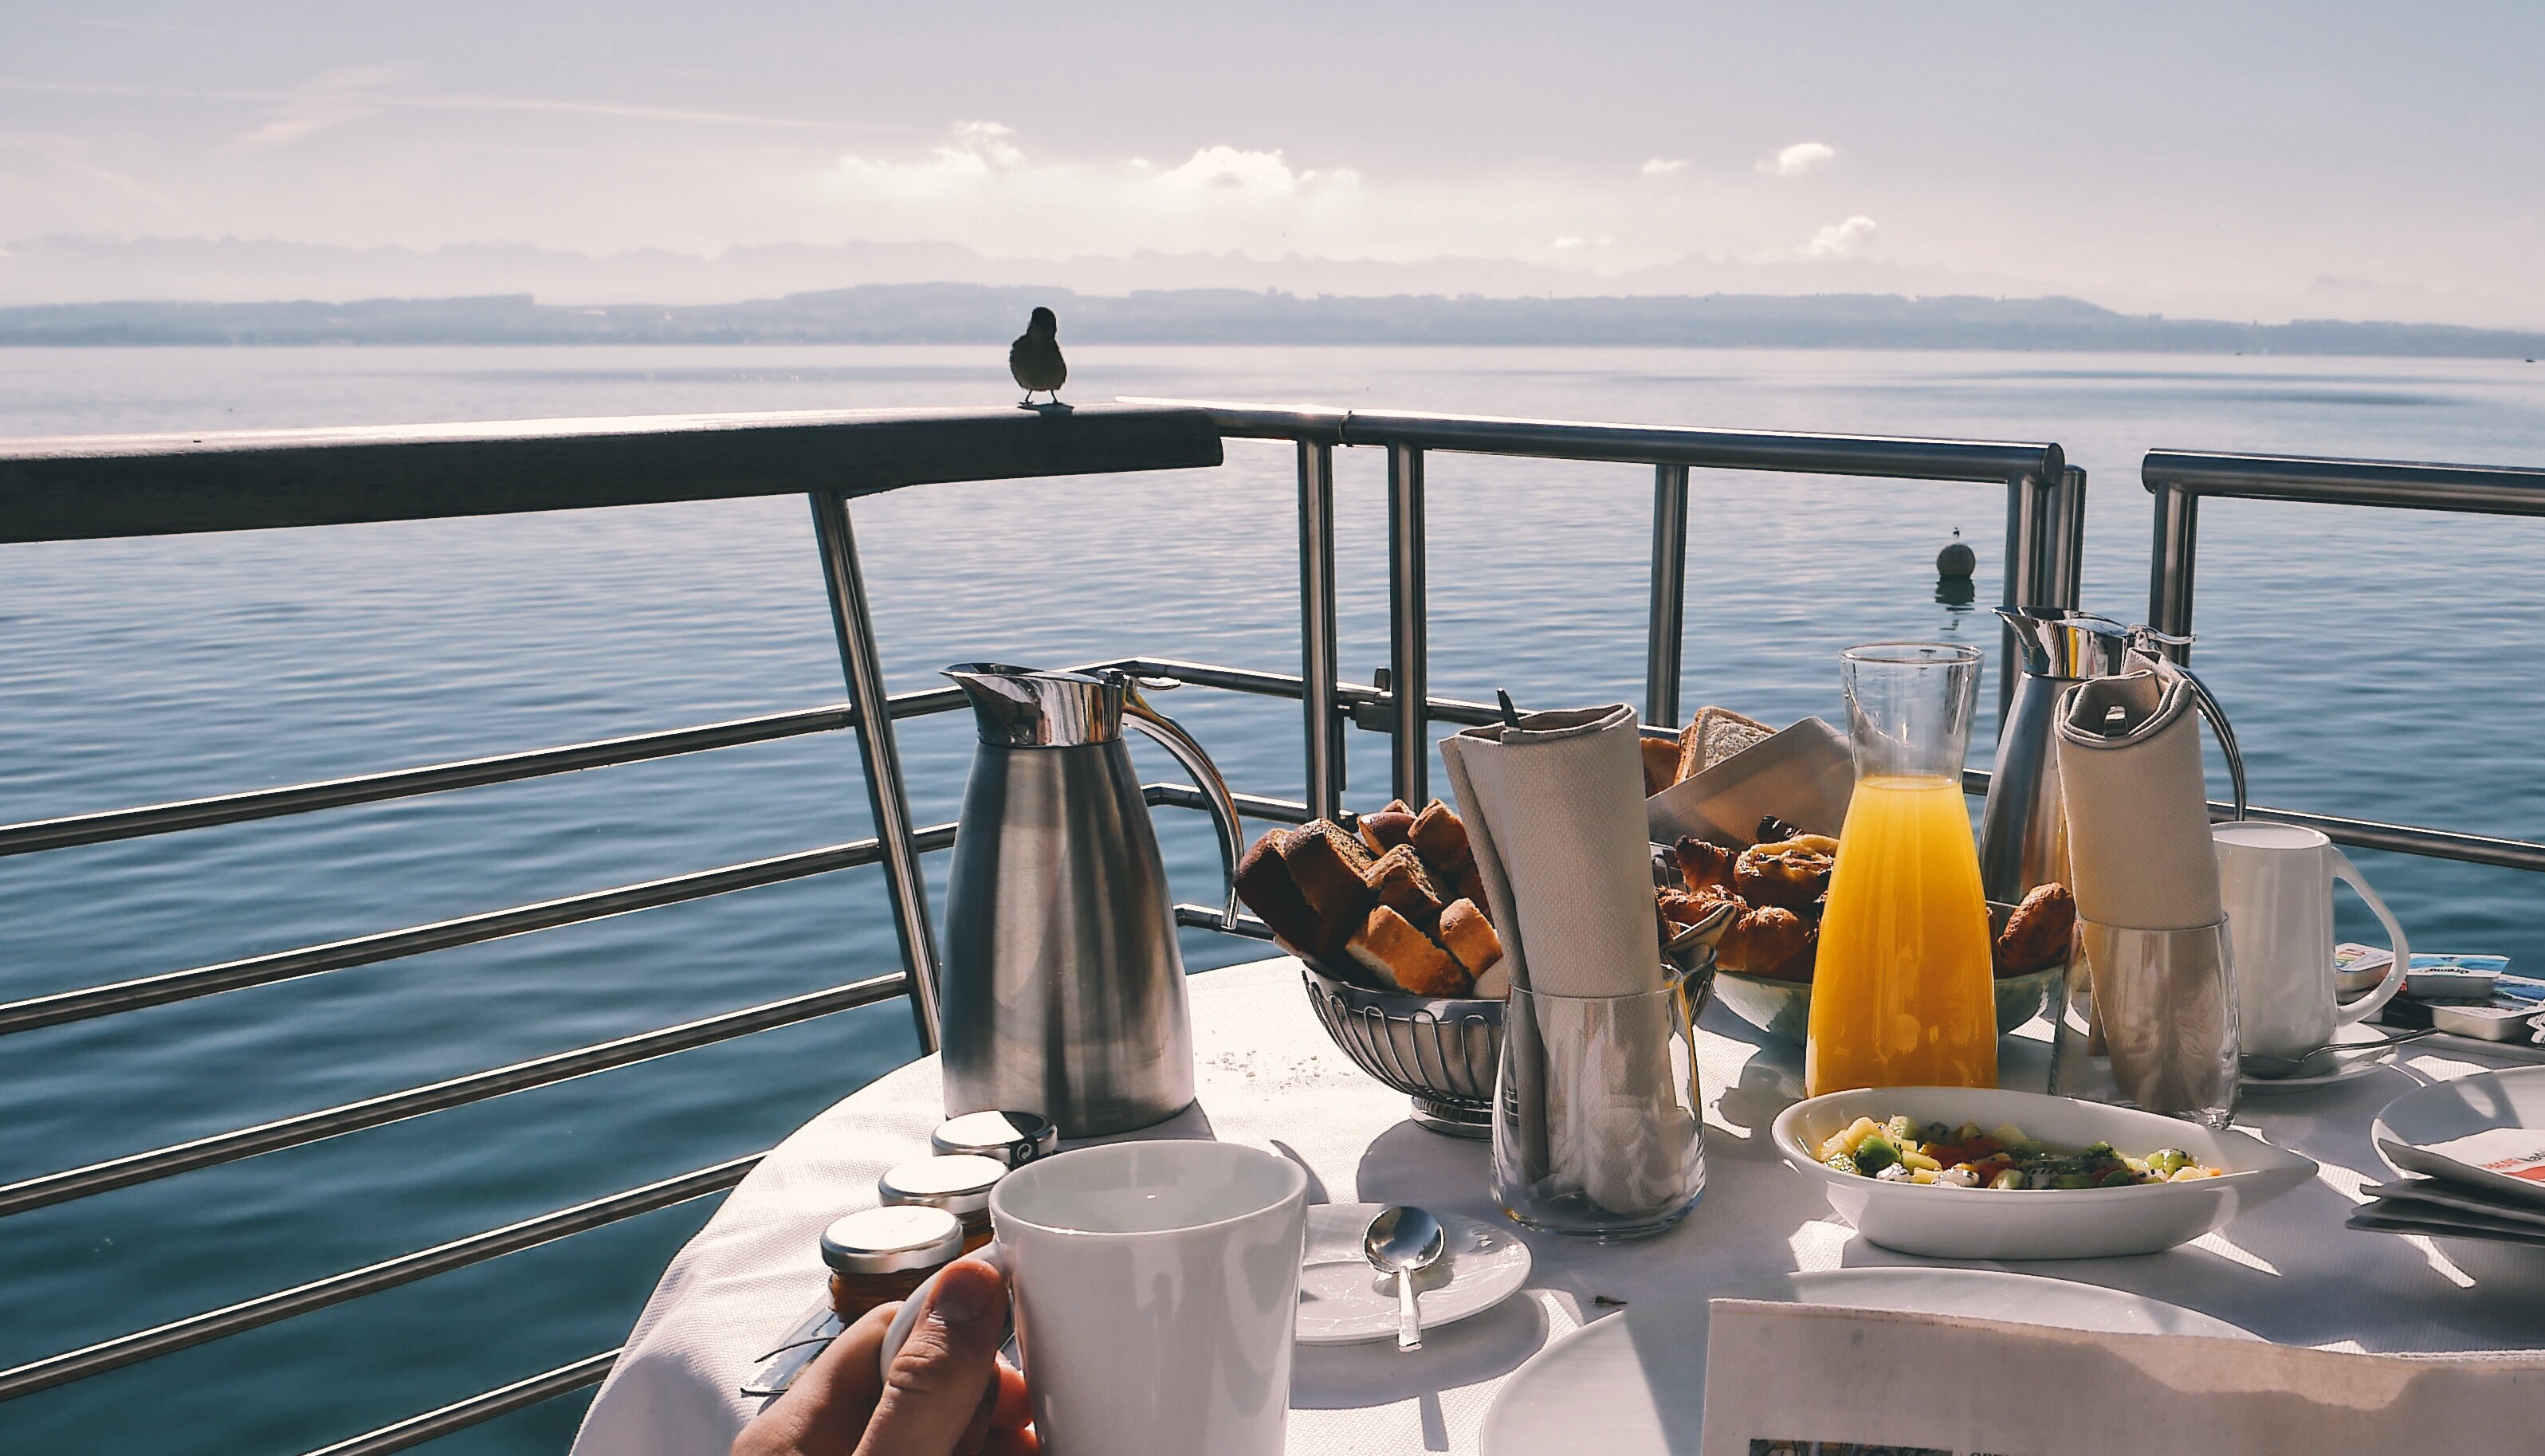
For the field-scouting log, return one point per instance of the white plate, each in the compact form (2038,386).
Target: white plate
(2453,1109)
(2349,1036)
(1343,1301)
(1634,1384)
(2038,1223)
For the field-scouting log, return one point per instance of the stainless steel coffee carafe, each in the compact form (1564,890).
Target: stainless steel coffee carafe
(1063,990)
(2023,828)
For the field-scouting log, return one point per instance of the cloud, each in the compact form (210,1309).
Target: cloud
(1841,239)
(1239,171)
(330,99)
(1663,166)
(1795,160)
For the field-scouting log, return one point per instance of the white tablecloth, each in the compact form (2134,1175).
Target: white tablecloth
(1268,1077)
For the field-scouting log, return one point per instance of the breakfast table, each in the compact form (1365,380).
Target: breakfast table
(1268,1076)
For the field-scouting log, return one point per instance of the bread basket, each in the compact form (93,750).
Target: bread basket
(1442,1052)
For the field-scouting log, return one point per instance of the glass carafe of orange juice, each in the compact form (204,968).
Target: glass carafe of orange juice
(1903,995)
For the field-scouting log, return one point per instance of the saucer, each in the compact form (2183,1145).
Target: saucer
(2354,1034)
(1343,1301)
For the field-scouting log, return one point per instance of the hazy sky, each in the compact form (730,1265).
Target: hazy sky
(2148,152)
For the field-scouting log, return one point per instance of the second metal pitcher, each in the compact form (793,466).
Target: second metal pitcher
(1063,987)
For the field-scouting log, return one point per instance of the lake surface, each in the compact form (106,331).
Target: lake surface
(2375,664)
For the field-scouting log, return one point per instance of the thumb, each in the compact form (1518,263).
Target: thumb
(939,1376)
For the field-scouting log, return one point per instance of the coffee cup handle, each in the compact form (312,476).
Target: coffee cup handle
(2345,1012)
(894,1337)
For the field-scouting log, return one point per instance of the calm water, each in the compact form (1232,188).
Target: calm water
(2375,664)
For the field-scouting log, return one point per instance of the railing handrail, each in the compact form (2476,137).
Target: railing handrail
(1900,456)
(2492,490)
(92,487)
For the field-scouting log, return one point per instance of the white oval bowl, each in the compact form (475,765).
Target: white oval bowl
(2038,1223)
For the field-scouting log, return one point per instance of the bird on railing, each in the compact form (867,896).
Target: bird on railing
(1034,358)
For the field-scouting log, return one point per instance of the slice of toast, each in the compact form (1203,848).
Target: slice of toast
(1263,884)
(1331,870)
(1399,881)
(1404,958)
(1387,829)
(1660,764)
(1470,937)
(1715,735)
(1440,838)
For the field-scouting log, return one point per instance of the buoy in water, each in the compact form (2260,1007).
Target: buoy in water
(1957,559)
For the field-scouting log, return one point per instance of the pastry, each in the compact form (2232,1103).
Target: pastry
(1402,956)
(1470,937)
(1660,764)
(1387,829)
(1401,884)
(1793,878)
(1331,870)
(1441,840)
(2036,934)
(1263,884)
(1764,942)
(1705,866)
(1715,735)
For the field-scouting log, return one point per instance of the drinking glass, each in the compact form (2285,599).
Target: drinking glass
(2148,1021)
(1599,1124)
(1903,993)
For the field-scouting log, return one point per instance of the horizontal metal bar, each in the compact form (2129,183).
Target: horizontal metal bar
(415,1430)
(1283,685)
(282,1304)
(1204,917)
(1896,456)
(468,929)
(310,1127)
(2493,490)
(1251,806)
(87,487)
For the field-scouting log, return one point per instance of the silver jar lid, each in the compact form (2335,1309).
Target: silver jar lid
(959,1184)
(892,1241)
(1012,1138)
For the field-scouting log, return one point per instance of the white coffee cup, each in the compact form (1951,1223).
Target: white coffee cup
(2277,883)
(1156,1286)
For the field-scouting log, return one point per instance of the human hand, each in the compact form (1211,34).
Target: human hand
(949,1393)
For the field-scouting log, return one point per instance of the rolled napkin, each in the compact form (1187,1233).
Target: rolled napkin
(2141,859)
(1554,809)
(2138,811)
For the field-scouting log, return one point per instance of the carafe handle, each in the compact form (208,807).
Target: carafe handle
(1223,809)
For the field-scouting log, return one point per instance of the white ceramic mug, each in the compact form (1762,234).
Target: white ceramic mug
(2277,883)
(1156,1286)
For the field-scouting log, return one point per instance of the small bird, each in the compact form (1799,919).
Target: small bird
(1034,358)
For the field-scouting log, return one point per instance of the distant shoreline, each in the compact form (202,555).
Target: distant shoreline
(982,314)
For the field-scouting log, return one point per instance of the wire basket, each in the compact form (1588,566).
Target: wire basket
(1440,1052)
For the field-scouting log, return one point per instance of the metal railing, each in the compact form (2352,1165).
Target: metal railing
(2179,479)
(56,490)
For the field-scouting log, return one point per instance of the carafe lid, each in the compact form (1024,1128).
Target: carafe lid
(2071,646)
(1020,707)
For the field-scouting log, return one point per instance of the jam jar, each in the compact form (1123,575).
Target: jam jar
(959,1184)
(1012,1138)
(881,1256)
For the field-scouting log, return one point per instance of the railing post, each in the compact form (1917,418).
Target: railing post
(863,668)
(1318,667)
(1669,595)
(1408,650)
(2023,560)
(2170,564)
(2063,566)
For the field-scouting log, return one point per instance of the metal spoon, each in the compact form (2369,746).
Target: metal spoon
(1404,1241)
(2321,1060)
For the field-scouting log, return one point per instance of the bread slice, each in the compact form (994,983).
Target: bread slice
(1660,764)
(1331,870)
(1263,884)
(1440,838)
(1387,829)
(1398,880)
(1715,735)
(1404,958)
(1470,937)
(1471,886)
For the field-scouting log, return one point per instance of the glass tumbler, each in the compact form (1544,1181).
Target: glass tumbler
(1599,1125)
(1902,992)
(2148,1020)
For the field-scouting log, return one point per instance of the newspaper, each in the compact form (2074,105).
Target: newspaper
(1802,1380)
(2504,1161)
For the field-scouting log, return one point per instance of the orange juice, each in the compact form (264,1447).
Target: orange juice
(1903,995)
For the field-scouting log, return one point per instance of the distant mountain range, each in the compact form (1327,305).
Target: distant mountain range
(974,313)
